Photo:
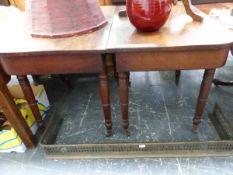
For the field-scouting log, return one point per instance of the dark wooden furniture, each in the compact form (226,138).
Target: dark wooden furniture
(180,44)
(189,11)
(22,55)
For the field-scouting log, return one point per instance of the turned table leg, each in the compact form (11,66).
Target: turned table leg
(123,90)
(202,98)
(9,108)
(29,96)
(104,94)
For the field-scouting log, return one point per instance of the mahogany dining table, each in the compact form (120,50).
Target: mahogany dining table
(22,55)
(180,44)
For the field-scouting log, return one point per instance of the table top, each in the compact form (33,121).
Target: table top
(16,39)
(117,35)
(179,31)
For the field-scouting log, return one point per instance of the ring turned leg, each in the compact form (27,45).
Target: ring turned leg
(123,88)
(202,98)
(29,96)
(104,94)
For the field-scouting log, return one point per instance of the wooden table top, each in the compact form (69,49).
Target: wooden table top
(179,31)
(16,39)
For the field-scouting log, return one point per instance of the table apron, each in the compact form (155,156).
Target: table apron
(171,60)
(52,64)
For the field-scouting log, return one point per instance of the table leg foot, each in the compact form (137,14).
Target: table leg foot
(108,133)
(105,99)
(108,125)
(125,125)
(123,88)
(29,96)
(126,132)
(202,98)
(196,124)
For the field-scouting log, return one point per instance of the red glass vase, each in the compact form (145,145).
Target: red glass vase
(148,15)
